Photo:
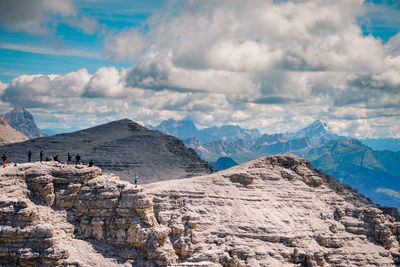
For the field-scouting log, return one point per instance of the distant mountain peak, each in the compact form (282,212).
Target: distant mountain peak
(319,124)
(18,110)
(317,132)
(22,120)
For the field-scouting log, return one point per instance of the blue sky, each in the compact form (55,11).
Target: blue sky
(213,62)
(68,48)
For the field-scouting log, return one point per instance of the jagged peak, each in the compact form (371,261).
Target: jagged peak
(318,124)
(18,109)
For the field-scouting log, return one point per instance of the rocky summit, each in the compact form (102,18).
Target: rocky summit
(22,120)
(274,211)
(122,147)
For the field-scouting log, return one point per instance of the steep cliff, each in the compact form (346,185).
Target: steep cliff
(274,211)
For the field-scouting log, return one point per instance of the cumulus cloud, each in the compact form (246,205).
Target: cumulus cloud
(106,82)
(34,91)
(272,65)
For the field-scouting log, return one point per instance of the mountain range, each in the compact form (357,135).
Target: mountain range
(122,147)
(375,173)
(185,129)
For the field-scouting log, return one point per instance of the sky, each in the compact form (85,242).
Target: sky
(272,65)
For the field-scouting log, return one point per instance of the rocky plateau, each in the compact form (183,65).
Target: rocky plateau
(273,211)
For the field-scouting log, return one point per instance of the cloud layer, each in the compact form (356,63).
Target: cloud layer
(265,64)
(40,17)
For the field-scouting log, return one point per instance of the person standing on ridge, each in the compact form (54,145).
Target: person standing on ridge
(91,162)
(41,155)
(77,158)
(136,180)
(69,158)
(29,155)
(4,158)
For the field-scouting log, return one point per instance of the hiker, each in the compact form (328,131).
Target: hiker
(29,155)
(48,159)
(91,162)
(69,159)
(41,155)
(4,158)
(136,180)
(55,158)
(77,158)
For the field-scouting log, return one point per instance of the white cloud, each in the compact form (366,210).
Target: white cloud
(46,90)
(260,64)
(126,45)
(106,82)
(389,192)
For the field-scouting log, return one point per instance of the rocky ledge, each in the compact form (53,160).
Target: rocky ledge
(274,211)
(58,214)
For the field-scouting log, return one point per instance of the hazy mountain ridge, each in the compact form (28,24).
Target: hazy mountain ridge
(392,144)
(185,129)
(22,120)
(122,147)
(349,160)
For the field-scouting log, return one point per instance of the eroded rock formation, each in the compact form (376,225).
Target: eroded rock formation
(45,208)
(274,211)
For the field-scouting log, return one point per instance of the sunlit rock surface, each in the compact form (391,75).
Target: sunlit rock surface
(274,211)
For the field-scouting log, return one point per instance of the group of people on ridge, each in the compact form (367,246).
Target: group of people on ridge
(55,158)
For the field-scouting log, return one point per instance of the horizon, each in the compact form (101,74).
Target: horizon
(56,131)
(275,66)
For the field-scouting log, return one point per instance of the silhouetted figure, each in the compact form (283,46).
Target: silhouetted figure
(136,180)
(77,158)
(41,155)
(91,162)
(55,158)
(4,158)
(29,155)
(69,159)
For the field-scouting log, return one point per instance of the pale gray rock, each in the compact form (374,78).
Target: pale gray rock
(274,211)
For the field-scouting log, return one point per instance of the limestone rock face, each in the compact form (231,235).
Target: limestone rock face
(274,211)
(47,209)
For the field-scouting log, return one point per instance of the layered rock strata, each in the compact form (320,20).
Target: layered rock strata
(274,211)
(46,209)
